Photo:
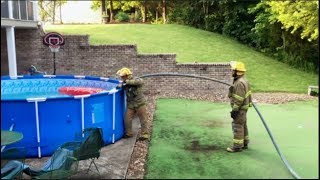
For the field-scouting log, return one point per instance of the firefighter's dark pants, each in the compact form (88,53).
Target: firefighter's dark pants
(142,114)
(240,130)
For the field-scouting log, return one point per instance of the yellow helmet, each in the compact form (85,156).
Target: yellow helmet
(238,66)
(124,72)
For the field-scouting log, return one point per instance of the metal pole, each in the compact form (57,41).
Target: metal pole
(36,101)
(113,116)
(82,115)
(81,97)
(38,128)
(54,63)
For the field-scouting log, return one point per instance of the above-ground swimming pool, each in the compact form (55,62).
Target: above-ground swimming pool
(33,106)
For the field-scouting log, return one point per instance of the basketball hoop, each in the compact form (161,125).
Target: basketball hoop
(54,48)
(54,41)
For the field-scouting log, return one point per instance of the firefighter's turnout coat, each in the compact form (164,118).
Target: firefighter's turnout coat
(241,100)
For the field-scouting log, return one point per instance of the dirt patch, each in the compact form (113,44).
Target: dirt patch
(195,147)
(259,98)
(215,123)
(196,159)
(280,98)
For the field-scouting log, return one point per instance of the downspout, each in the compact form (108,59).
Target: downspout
(11,45)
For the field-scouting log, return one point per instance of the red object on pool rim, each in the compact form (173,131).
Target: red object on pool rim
(73,91)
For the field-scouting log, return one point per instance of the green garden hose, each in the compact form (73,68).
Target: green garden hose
(284,160)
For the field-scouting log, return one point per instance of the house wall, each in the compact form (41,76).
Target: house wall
(28,49)
(78,57)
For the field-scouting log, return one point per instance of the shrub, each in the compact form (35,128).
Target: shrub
(122,17)
(159,21)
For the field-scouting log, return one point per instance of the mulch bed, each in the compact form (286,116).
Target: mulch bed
(136,169)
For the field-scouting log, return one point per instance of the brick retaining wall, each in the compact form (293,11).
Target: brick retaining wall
(78,57)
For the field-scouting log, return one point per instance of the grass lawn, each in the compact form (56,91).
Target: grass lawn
(191,44)
(190,137)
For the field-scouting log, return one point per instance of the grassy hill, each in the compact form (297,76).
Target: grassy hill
(191,44)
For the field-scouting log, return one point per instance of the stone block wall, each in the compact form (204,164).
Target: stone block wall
(78,57)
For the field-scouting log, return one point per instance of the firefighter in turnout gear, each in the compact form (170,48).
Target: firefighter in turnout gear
(241,100)
(136,103)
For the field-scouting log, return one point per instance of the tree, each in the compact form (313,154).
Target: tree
(164,11)
(44,11)
(133,5)
(104,15)
(100,4)
(296,15)
(285,43)
(111,11)
(157,7)
(54,12)
(48,9)
(60,14)
(108,9)
(144,11)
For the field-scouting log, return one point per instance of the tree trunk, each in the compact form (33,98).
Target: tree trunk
(156,16)
(144,17)
(60,14)
(206,9)
(135,14)
(111,11)
(283,41)
(164,11)
(103,12)
(41,9)
(54,12)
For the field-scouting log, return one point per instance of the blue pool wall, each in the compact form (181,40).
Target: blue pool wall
(60,118)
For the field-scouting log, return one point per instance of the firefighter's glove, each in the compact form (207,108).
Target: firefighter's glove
(121,85)
(234,114)
(230,91)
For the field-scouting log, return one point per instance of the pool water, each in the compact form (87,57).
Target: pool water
(48,88)
(33,95)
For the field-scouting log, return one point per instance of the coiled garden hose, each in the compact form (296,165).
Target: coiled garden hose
(284,160)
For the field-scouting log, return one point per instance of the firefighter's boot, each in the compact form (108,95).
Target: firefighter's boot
(232,149)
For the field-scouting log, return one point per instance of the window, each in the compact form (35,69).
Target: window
(23,10)
(30,10)
(4,9)
(16,9)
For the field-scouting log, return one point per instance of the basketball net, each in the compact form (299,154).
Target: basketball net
(54,48)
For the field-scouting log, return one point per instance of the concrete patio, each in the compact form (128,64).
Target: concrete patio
(112,164)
